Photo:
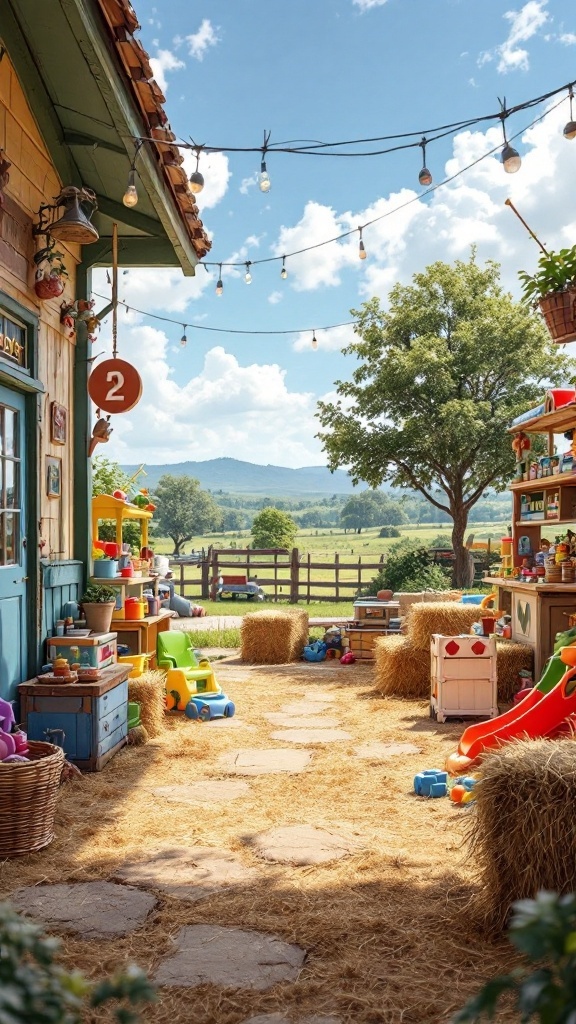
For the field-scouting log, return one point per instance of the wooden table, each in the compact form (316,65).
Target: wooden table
(538,611)
(92,716)
(141,634)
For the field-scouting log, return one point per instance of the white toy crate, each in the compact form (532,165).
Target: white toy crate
(463,677)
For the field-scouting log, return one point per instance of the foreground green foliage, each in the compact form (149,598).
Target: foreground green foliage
(35,990)
(441,374)
(544,931)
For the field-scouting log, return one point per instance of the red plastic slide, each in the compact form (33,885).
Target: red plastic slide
(536,716)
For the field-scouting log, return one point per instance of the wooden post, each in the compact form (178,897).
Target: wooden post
(214,572)
(359,573)
(308,581)
(337,575)
(294,576)
(205,584)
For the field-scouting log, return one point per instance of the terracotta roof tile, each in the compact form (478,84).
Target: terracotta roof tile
(122,22)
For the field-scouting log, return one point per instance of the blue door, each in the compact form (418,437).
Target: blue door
(13,579)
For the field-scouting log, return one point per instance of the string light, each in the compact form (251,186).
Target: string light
(197,179)
(570,127)
(283,272)
(130,197)
(510,157)
(361,249)
(314,340)
(425,177)
(219,285)
(184,339)
(248,275)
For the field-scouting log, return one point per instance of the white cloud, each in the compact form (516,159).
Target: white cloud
(199,42)
(524,24)
(247,183)
(258,418)
(365,5)
(216,171)
(155,290)
(275,297)
(568,38)
(163,62)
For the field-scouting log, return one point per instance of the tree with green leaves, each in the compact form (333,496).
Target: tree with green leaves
(442,373)
(273,528)
(371,508)
(184,509)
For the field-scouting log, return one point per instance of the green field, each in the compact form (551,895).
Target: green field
(321,545)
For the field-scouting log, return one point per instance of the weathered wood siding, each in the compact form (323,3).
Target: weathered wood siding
(33,181)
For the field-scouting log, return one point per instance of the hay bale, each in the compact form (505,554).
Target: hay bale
(406,600)
(399,669)
(446,618)
(523,835)
(510,658)
(273,637)
(148,691)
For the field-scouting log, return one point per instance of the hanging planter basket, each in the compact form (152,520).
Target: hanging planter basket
(559,312)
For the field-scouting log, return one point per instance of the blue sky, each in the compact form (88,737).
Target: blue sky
(329,70)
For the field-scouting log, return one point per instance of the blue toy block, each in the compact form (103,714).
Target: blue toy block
(429,778)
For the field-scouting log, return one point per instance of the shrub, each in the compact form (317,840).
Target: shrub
(389,531)
(408,568)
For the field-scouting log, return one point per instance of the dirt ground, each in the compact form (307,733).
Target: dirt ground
(386,930)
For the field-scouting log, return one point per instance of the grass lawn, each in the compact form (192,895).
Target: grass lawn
(387,930)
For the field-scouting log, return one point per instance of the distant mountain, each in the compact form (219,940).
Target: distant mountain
(235,477)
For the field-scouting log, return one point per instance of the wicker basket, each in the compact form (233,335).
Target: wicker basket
(28,794)
(559,312)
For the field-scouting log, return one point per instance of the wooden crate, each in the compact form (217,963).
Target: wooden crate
(362,640)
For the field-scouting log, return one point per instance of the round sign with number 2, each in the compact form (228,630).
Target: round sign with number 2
(115,386)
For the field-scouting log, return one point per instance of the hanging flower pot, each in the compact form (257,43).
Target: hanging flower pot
(552,289)
(51,273)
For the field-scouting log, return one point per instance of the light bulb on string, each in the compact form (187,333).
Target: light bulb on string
(219,285)
(264,183)
(283,272)
(361,248)
(425,176)
(509,156)
(248,275)
(570,126)
(130,197)
(184,339)
(314,340)
(197,179)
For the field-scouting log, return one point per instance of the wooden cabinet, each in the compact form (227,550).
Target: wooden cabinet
(141,634)
(92,717)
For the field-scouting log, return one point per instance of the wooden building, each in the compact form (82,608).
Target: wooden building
(76,93)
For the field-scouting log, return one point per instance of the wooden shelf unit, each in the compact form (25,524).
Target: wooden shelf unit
(124,584)
(141,634)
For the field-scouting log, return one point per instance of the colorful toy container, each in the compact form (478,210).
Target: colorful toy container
(95,651)
(463,677)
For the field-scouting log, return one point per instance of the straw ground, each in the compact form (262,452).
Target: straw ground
(384,929)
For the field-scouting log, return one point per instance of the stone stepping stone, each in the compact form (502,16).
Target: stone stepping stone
(231,958)
(187,873)
(293,722)
(311,735)
(267,761)
(382,751)
(94,909)
(279,1018)
(306,707)
(303,844)
(208,792)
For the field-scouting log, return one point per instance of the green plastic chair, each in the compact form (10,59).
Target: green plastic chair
(174,650)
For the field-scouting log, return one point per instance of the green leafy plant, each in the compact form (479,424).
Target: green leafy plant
(408,568)
(556,272)
(97,593)
(544,931)
(35,990)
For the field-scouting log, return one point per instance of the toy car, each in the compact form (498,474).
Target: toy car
(203,708)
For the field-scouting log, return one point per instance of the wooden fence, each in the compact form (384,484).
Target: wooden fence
(285,575)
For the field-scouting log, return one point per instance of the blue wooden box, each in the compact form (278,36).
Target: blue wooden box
(92,716)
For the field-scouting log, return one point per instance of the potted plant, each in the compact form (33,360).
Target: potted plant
(553,289)
(98,603)
(51,273)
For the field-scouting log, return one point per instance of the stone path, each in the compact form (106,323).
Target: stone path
(209,791)
(312,735)
(94,909)
(231,958)
(266,762)
(303,844)
(187,873)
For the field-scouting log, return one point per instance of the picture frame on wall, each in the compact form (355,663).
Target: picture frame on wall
(53,476)
(58,424)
